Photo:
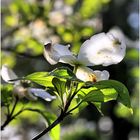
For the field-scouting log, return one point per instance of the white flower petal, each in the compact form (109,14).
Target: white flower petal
(86,74)
(8,74)
(116,31)
(42,94)
(53,53)
(69,59)
(102,49)
(101,75)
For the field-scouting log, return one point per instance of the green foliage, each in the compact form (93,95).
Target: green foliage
(102,91)
(63,72)
(48,116)
(6,94)
(45,78)
(41,78)
(60,87)
(103,95)
(123,94)
(55,132)
(105,91)
(121,108)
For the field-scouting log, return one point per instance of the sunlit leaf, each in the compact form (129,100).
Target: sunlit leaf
(104,91)
(41,78)
(45,78)
(54,132)
(73,104)
(36,75)
(44,81)
(62,72)
(103,95)
(123,111)
(123,94)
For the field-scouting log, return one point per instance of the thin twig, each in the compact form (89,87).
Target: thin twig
(63,114)
(9,115)
(13,109)
(74,107)
(57,121)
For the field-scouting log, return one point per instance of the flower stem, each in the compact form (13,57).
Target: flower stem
(9,115)
(56,122)
(64,112)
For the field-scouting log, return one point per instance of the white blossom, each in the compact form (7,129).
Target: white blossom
(87,74)
(53,53)
(19,90)
(7,74)
(101,49)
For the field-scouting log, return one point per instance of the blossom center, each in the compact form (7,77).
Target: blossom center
(48,46)
(116,42)
(92,78)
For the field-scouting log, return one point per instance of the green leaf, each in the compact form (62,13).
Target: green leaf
(98,106)
(123,94)
(54,133)
(103,95)
(104,91)
(123,111)
(48,116)
(72,105)
(41,78)
(6,94)
(45,78)
(60,86)
(36,75)
(62,72)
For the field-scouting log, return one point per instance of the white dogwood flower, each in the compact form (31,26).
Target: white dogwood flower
(101,49)
(9,76)
(87,74)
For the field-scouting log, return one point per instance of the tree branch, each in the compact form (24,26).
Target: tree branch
(9,115)
(63,114)
(57,121)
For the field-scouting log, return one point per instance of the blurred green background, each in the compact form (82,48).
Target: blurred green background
(27,24)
